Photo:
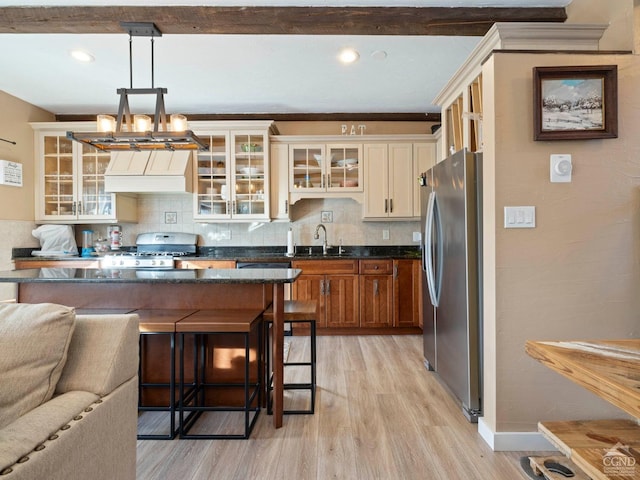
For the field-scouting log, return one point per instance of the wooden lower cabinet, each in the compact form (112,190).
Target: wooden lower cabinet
(407,292)
(376,301)
(334,284)
(362,294)
(341,300)
(376,293)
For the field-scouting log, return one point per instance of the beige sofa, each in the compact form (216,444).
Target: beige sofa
(68,394)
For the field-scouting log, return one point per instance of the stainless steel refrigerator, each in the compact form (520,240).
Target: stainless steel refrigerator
(452,287)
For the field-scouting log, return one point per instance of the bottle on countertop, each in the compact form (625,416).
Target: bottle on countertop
(115,236)
(87,243)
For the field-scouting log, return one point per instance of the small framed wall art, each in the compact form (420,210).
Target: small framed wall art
(575,103)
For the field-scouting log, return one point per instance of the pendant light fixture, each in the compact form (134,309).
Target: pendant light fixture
(140,132)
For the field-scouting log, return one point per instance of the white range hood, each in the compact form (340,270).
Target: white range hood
(161,171)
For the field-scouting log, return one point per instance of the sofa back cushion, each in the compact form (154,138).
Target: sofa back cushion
(34,340)
(103,354)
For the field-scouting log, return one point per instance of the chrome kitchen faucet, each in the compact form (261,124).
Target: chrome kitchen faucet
(316,236)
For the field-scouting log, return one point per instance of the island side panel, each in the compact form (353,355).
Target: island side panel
(147,295)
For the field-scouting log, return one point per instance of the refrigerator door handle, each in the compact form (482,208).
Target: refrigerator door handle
(427,257)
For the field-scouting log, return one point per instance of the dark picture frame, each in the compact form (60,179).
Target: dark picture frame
(575,103)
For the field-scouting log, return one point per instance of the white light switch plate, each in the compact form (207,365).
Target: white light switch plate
(519,217)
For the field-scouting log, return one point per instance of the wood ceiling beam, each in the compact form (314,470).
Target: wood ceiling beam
(463,21)
(289,117)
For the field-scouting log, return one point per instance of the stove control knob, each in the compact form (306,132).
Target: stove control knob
(153,262)
(160,262)
(137,262)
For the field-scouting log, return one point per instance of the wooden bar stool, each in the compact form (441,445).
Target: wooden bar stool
(154,379)
(295,312)
(216,349)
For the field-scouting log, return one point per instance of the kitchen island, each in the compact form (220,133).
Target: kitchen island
(132,289)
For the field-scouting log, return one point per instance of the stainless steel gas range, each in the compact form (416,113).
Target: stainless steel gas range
(154,251)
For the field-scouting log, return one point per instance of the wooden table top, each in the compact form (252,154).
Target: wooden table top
(608,368)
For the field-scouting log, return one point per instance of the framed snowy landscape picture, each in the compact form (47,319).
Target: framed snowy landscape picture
(575,103)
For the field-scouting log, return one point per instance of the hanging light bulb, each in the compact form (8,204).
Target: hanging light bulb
(141,123)
(106,123)
(178,122)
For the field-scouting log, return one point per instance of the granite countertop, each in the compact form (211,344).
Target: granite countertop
(106,275)
(254,254)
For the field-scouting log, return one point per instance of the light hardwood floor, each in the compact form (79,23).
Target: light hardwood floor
(379,415)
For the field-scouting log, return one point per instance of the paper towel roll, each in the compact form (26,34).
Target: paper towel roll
(290,242)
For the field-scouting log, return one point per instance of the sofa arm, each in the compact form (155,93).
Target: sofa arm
(103,354)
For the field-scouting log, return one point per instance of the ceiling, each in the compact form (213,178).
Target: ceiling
(222,69)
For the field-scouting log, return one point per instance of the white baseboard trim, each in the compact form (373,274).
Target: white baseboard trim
(513,441)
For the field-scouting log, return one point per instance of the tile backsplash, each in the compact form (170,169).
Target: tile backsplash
(154,211)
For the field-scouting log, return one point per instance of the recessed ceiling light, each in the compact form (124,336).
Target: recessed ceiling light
(348,55)
(82,56)
(379,55)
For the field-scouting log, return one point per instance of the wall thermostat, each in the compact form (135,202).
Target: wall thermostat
(560,168)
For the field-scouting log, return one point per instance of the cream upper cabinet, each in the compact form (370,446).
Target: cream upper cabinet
(389,180)
(232,176)
(424,157)
(70,182)
(379,171)
(325,170)
(279,176)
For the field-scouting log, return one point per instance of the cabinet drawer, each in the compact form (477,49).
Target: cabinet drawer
(326,266)
(376,267)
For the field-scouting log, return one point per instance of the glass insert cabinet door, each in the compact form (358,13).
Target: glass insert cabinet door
(58,176)
(307,168)
(325,168)
(344,167)
(73,180)
(231,176)
(249,174)
(92,198)
(213,177)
